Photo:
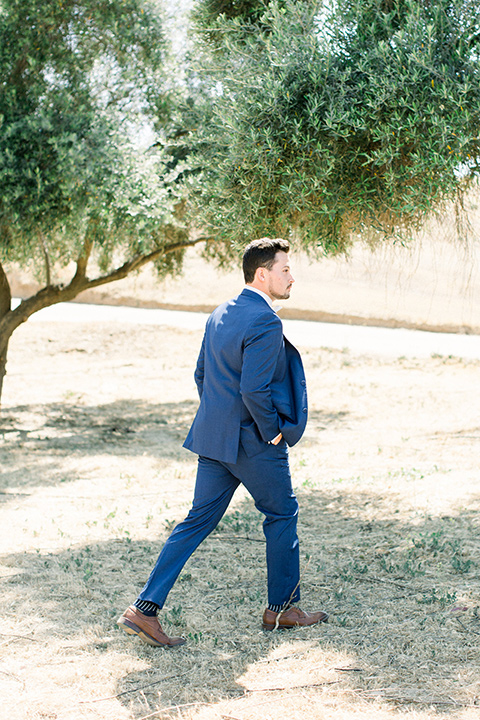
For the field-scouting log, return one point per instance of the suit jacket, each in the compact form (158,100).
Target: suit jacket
(251,382)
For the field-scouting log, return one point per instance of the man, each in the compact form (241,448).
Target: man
(253,404)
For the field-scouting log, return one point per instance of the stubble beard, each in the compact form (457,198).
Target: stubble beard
(277,296)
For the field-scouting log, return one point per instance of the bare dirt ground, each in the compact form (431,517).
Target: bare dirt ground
(93,476)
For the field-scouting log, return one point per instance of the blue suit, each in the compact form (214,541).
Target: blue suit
(252,386)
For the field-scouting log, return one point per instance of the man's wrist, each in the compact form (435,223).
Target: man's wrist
(276,439)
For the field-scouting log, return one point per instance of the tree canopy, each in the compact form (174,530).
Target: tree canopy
(338,120)
(81,82)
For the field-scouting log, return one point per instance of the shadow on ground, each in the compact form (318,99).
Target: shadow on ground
(33,436)
(30,433)
(403,599)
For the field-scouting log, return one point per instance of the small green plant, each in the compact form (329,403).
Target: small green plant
(411,568)
(432,542)
(346,575)
(353,568)
(407,567)
(460,565)
(239,521)
(387,566)
(429,598)
(128,479)
(174,614)
(87,571)
(111,515)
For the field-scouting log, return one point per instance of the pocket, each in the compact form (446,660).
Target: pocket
(250,439)
(281,449)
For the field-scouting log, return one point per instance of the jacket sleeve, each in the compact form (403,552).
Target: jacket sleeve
(200,368)
(262,345)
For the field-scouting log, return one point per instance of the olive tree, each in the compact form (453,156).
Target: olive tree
(83,85)
(337,120)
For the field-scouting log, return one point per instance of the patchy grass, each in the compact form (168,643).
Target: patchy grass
(93,477)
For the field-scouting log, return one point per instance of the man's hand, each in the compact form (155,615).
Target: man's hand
(276,440)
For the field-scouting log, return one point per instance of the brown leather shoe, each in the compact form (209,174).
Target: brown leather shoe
(147,628)
(292,617)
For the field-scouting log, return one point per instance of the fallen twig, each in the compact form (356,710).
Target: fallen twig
(287,604)
(426,701)
(289,687)
(240,697)
(21,637)
(221,536)
(171,707)
(385,582)
(474,632)
(14,677)
(450,702)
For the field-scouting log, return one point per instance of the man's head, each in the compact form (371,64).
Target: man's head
(266,267)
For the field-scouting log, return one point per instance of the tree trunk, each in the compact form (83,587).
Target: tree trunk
(10,319)
(5,307)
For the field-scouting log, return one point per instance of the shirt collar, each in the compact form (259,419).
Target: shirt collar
(261,293)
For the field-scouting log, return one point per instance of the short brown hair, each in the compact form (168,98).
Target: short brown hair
(261,253)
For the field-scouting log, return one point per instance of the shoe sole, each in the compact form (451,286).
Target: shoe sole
(269,626)
(280,627)
(131,629)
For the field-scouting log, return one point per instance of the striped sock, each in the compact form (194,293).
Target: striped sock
(276,608)
(146,607)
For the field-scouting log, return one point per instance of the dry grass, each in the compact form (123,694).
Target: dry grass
(93,476)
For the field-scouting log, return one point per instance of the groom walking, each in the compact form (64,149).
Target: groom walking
(253,404)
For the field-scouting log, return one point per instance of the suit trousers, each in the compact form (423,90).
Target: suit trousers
(267,478)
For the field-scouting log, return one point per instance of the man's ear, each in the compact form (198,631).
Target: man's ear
(260,274)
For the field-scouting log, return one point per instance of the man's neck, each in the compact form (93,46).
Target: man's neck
(262,294)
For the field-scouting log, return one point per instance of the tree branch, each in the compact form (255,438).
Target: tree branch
(5,293)
(48,272)
(139,261)
(53,294)
(84,256)
(5,311)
